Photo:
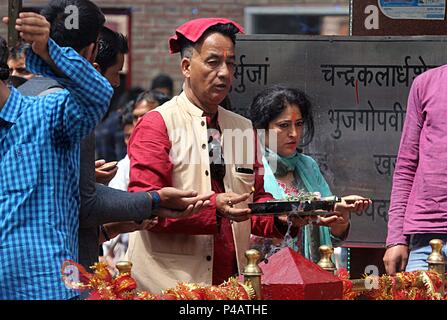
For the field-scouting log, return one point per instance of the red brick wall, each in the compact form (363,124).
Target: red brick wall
(154,21)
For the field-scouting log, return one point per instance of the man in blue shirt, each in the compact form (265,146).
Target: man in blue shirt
(39,155)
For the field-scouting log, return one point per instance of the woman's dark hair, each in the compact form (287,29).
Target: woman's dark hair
(110,44)
(271,102)
(81,35)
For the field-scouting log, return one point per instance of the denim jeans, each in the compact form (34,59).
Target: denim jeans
(420,249)
(341,257)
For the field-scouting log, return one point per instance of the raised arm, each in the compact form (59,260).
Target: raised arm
(90,93)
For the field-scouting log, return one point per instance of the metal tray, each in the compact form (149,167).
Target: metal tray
(301,208)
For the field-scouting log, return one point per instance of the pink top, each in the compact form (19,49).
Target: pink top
(419,193)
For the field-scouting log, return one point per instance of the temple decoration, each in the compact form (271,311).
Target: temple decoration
(103,286)
(416,285)
(286,275)
(326,261)
(252,272)
(289,276)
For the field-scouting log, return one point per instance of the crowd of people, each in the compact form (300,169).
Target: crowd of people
(176,202)
(52,209)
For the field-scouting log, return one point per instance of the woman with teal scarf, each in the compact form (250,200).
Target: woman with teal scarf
(286,116)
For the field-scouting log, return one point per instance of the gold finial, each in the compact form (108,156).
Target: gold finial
(436,261)
(325,260)
(252,267)
(124,267)
(436,252)
(252,272)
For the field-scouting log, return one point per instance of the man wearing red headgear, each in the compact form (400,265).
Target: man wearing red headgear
(192,143)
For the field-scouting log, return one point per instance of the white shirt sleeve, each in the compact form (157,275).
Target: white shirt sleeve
(121,180)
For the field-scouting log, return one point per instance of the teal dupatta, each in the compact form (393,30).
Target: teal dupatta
(307,169)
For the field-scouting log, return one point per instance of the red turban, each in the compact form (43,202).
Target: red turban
(194,29)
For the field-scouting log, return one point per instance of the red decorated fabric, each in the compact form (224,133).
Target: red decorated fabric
(103,286)
(416,285)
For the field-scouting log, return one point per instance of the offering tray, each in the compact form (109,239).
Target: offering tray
(312,207)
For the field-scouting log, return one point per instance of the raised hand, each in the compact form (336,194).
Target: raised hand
(34,29)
